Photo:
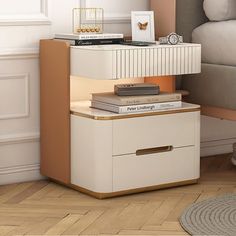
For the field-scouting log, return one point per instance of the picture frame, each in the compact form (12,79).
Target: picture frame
(143,28)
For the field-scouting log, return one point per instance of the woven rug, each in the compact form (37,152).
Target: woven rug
(216,216)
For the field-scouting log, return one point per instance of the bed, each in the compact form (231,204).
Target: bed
(215,87)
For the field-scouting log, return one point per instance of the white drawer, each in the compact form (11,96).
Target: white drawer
(131,171)
(177,130)
(120,61)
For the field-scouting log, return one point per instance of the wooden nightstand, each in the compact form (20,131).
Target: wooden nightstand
(105,154)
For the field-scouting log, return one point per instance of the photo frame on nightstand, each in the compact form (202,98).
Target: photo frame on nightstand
(143,26)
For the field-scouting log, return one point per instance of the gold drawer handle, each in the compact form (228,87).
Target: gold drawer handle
(149,151)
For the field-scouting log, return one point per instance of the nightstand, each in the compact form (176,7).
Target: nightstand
(106,154)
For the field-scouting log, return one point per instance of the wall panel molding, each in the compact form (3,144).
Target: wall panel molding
(19,138)
(44,7)
(19,54)
(26,110)
(21,168)
(40,18)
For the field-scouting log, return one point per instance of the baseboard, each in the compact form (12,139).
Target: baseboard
(19,158)
(17,174)
(216,147)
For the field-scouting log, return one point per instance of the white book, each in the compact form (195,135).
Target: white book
(136,108)
(113,99)
(89,36)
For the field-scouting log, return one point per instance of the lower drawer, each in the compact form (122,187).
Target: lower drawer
(131,171)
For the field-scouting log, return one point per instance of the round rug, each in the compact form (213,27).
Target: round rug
(216,216)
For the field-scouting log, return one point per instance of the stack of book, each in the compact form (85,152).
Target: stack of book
(133,104)
(90,39)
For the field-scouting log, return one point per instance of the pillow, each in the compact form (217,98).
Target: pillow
(220,10)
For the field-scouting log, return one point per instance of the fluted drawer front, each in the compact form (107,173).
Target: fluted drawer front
(172,60)
(119,61)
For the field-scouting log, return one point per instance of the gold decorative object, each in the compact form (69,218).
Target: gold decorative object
(142,26)
(97,29)
(88,20)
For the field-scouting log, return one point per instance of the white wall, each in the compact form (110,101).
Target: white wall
(117,12)
(21,28)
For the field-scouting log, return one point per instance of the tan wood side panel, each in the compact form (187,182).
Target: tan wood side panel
(165,16)
(55,109)
(218,112)
(165,23)
(131,191)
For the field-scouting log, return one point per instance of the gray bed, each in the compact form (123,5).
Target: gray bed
(215,87)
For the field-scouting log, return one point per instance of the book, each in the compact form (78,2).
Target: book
(136,89)
(135,100)
(75,42)
(136,108)
(89,36)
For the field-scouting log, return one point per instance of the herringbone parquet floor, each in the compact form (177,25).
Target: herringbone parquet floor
(45,208)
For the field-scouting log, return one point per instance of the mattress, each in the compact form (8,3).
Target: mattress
(218,42)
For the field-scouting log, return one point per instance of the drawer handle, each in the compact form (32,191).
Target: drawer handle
(149,151)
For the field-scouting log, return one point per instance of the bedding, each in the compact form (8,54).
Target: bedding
(218,42)
(220,10)
(215,86)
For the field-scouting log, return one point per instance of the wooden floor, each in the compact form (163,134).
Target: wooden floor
(45,208)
